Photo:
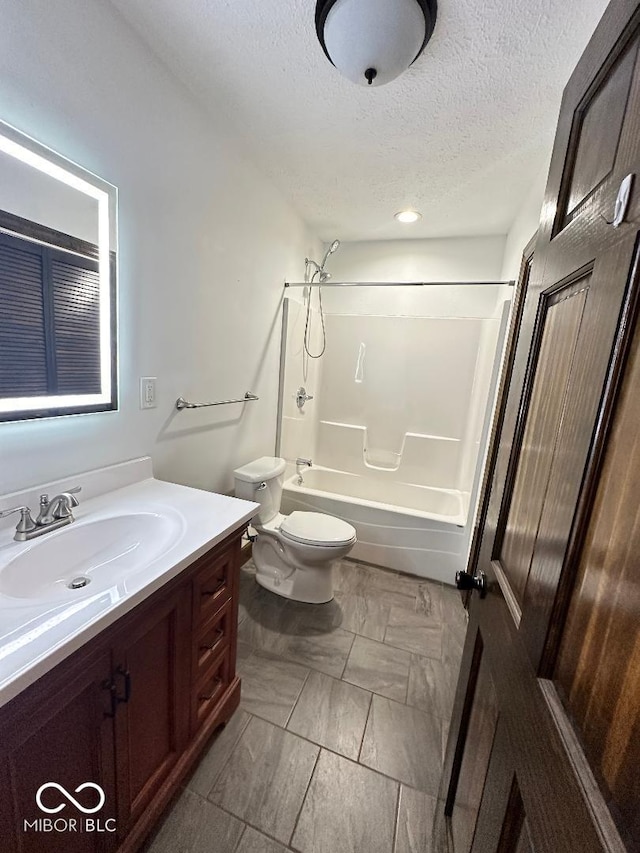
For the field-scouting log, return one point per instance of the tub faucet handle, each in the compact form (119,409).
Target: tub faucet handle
(302,396)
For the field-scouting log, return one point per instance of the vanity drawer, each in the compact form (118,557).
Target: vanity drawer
(210,688)
(212,638)
(212,585)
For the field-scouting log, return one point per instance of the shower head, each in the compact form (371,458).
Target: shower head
(325,276)
(332,248)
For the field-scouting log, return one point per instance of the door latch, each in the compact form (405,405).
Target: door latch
(478,581)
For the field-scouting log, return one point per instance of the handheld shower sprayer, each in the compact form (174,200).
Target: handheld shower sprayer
(319,268)
(332,248)
(322,277)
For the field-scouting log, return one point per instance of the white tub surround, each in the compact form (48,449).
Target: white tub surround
(401,399)
(39,627)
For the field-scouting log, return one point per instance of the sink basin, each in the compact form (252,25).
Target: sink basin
(89,556)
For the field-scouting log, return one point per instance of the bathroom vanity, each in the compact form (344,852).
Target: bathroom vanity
(136,677)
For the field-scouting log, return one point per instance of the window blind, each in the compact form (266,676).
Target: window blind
(49,320)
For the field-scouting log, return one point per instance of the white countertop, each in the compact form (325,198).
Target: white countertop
(35,635)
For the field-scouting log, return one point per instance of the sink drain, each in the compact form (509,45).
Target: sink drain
(78,583)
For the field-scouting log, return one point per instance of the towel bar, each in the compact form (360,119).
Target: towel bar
(181,403)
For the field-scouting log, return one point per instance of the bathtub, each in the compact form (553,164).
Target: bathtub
(416,529)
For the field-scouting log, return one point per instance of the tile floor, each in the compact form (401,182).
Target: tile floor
(337,745)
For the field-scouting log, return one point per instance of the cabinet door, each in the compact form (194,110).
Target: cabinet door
(61,733)
(151,659)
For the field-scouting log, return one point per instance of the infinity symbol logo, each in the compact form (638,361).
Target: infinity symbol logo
(71,799)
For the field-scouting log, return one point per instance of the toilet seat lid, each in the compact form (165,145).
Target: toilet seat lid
(316,528)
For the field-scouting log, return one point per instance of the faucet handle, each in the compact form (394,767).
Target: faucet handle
(72,492)
(70,500)
(26,522)
(302,397)
(67,502)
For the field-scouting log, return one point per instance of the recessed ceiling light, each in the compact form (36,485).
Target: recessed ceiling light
(408,216)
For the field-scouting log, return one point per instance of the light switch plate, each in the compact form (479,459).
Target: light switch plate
(148,392)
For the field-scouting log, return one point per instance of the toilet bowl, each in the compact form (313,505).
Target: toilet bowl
(294,554)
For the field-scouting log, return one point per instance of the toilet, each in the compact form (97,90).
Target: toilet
(293,554)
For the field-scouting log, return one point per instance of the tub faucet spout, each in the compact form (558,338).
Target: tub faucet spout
(301,463)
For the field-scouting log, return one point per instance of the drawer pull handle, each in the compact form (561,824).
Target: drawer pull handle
(205,697)
(217,637)
(110,685)
(221,585)
(127,684)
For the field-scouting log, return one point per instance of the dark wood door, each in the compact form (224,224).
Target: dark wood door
(152,659)
(543,748)
(63,737)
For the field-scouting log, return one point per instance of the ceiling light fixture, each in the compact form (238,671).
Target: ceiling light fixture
(372,42)
(408,216)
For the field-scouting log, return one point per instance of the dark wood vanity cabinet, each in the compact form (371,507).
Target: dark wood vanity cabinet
(57,734)
(131,711)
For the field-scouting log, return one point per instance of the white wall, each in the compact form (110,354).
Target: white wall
(453,259)
(524,227)
(205,243)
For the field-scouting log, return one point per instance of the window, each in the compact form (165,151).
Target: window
(49,317)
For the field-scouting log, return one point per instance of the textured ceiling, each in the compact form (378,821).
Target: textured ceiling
(460,136)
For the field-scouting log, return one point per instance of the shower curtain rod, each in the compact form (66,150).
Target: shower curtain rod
(397,283)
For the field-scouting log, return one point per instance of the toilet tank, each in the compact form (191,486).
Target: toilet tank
(262,481)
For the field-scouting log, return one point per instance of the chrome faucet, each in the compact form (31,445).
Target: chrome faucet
(53,514)
(57,508)
(301,463)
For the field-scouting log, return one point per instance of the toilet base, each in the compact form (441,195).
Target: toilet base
(309,584)
(285,589)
